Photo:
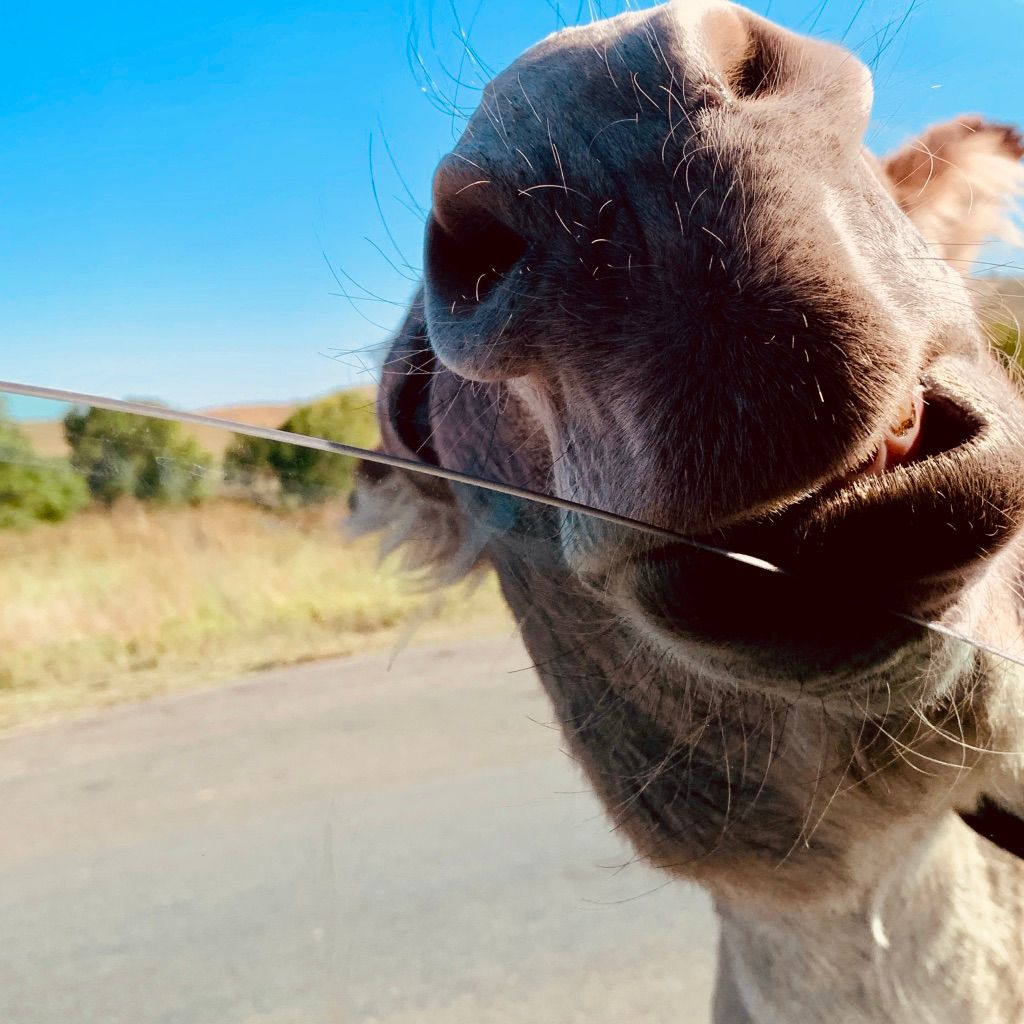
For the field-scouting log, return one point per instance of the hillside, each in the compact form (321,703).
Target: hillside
(47,436)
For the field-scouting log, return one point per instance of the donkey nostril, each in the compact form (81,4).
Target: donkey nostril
(469,250)
(743,53)
(759,73)
(472,288)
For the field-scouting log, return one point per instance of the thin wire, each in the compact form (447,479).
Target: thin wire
(453,476)
(162,412)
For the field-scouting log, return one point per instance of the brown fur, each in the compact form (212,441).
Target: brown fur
(663,278)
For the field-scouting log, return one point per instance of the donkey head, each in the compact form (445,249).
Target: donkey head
(664,278)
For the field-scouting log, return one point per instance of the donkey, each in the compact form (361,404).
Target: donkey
(665,279)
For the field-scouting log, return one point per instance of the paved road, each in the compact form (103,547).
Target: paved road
(336,843)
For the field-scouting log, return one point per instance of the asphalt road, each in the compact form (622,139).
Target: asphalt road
(338,842)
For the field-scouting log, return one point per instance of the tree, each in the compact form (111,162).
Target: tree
(309,476)
(247,462)
(123,455)
(303,475)
(33,489)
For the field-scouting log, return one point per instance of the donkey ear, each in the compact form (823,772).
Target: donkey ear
(413,513)
(958,183)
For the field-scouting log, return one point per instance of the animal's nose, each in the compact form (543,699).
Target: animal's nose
(823,88)
(562,178)
(471,240)
(476,242)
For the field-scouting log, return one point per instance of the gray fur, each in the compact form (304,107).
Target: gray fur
(663,277)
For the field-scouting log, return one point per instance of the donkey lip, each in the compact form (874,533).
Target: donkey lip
(908,539)
(913,537)
(952,498)
(936,430)
(901,440)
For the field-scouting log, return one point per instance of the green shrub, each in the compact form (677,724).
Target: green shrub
(1007,340)
(14,445)
(247,462)
(48,490)
(123,455)
(303,475)
(33,489)
(310,476)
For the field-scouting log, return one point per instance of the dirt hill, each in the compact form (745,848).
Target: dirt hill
(47,436)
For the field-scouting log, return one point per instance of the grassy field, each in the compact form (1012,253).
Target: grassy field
(119,606)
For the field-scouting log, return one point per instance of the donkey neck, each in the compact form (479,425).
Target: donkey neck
(938,938)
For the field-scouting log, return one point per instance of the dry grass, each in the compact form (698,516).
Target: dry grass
(120,606)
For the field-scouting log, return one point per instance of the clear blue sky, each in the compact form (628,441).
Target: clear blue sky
(172,174)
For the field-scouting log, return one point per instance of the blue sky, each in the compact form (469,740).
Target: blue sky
(174,174)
